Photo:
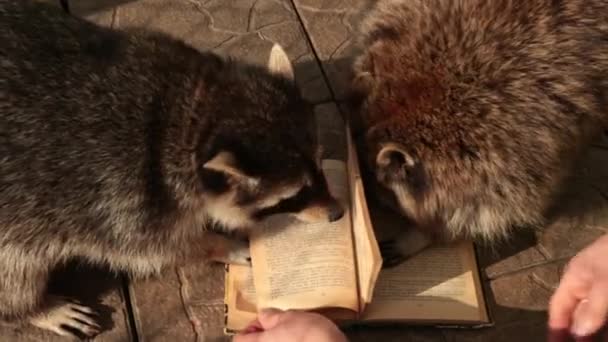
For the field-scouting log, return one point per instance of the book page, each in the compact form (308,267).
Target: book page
(240,301)
(240,297)
(441,284)
(367,253)
(306,266)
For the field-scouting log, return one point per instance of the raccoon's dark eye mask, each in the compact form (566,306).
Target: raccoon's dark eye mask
(293,204)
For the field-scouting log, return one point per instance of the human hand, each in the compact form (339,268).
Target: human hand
(580,303)
(298,326)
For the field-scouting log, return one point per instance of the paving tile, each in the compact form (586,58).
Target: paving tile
(517,305)
(582,215)
(100,12)
(182,304)
(331,131)
(244,29)
(511,255)
(96,288)
(331,26)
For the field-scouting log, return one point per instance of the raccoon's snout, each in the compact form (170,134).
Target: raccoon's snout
(326,211)
(335,212)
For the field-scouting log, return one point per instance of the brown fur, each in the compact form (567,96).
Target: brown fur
(135,150)
(473,112)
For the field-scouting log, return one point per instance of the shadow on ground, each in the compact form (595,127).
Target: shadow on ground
(89,285)
(88,7)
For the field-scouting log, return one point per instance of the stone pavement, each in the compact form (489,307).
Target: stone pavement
(186,304)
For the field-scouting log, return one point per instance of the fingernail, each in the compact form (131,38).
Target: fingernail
(582,327)
(252,329)
(583,320)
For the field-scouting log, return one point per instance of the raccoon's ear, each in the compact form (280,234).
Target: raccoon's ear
(225,162)
(362,82)
(279,63)
(394,156)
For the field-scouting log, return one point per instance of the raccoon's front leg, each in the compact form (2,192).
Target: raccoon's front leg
(231,251)
(61,315)
(220,248)
(23,282)
(407,243)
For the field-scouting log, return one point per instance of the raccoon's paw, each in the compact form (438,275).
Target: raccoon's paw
(391,255)
(67,318)
(397,250)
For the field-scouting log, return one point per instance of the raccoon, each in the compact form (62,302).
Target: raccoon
(133,150)
(470,114)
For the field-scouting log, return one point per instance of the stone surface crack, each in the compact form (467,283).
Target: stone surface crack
(322,10)
(206,303)
(211,25)
(280,22)
(542,283)
(223,42)
(250,17)
(114,23)
(314,50)
(286,4)
(184,290)
(339,48)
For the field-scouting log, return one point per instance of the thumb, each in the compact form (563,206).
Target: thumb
(591,313)
(270,318)
(267,319)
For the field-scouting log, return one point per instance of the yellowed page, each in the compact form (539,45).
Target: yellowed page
(307,266)
(441,284)
(368,257)
(240,297)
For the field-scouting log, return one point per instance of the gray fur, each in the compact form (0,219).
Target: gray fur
(134,150)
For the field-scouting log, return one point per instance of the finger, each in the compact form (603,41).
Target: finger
(270,317)
(561,308)
(254,326)
(564,301)
(591,314)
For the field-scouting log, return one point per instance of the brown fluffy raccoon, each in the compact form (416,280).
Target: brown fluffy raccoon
(134,150)
(472,112)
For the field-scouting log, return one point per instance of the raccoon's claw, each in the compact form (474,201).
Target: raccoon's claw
(391,254)
(397,250)
(66,318)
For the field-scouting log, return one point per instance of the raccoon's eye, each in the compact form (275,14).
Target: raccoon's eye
(292,204)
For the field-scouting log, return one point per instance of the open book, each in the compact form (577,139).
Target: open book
(336,269)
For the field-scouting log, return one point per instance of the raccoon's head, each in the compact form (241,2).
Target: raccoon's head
(413,134)
(395,106)
(263,158)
